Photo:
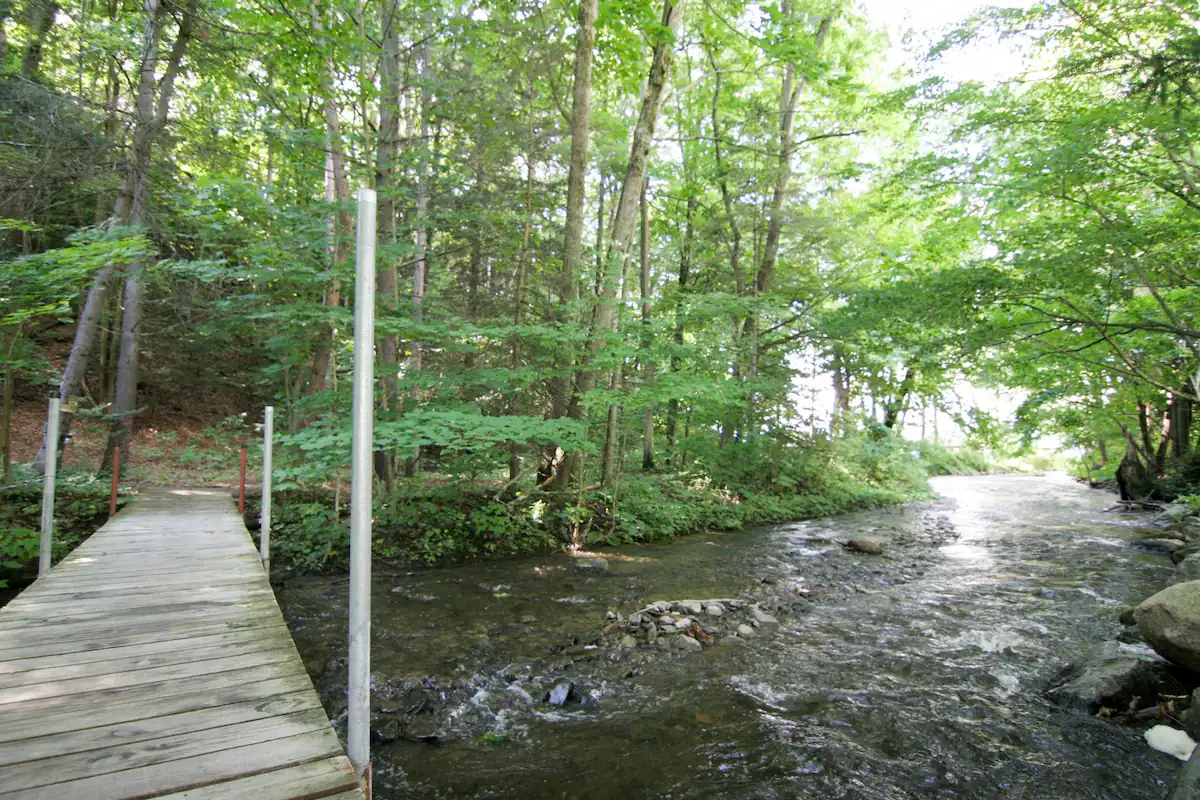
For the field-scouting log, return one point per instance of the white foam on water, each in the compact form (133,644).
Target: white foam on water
(993,641)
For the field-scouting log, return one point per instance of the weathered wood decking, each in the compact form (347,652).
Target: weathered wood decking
(154,661)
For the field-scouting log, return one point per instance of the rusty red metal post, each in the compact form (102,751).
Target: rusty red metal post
(116,471)
(242,487)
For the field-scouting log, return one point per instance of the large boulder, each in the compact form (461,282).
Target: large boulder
(1110,675)
(1170,623)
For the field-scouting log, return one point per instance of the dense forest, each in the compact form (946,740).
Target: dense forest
(621,246)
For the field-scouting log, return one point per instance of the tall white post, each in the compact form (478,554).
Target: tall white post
(264,528)
(358,734)
(48,488)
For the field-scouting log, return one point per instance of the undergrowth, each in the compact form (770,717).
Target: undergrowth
(436,520)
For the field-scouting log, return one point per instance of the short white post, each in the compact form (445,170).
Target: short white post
(264,519)
(358,731)
(48,488)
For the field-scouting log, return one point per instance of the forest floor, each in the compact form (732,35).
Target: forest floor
(168,448)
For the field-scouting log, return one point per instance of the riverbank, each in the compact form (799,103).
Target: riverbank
(917,672)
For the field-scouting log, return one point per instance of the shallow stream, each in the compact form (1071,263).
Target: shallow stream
(915,674)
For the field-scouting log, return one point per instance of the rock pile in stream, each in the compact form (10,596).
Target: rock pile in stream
(689,625)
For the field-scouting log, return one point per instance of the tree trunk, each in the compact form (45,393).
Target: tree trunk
(523,264)
(125,394)
(893,410)
(624,217)
(685,264)
(412,466)
(1180,416)
(581,115)
(41,21)
(647,361)
(387,274)
(342,221)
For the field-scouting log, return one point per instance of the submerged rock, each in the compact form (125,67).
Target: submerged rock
(1190,549)
(591,565)
(1110,675)
(867,546)
(688,643)
(1166,546)
(1170,621)
(762,617)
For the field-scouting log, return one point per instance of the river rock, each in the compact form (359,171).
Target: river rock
(1171,741)
(762,617)
(564,692)
(714,610)
(692,607)
(1111,675)
(683,624)
(1170,621)
(745,631)
(687,643)
(595,566)
(868,546)
(1165,546)
(1191,722)
(1189,549)
(1189,568)
(628,641)
(1187,782)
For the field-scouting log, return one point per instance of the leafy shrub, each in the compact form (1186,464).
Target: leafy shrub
(937,460)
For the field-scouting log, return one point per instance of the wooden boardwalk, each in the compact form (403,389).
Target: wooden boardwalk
(154,662)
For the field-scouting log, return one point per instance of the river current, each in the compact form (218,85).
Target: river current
(915,674)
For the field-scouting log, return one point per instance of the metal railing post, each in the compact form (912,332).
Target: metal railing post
(358,734)
(264,530)
(48,488)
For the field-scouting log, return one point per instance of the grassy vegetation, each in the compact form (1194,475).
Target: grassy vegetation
(441,519)
(81,506)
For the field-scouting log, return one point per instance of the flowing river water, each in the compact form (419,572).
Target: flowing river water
(915,674)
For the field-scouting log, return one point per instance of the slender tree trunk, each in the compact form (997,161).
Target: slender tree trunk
(523,263)
(789,98)
(894,410)
(647,360)
(6,404)
(387,275)
(420,271)
(125,394)
(5,11)
(624,217)
(41,21)
(581,115)
(685,264)
(1180,412)
(342,225)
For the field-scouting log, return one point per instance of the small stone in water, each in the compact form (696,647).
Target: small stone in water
(693,608)
(564,693)
(688,643)
(683,624)
(868,546)
(762,617)
(745,631)
(628,641)
(714,610)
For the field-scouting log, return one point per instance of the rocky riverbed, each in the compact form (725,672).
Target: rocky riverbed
(779,662)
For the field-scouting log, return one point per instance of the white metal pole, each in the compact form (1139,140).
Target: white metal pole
(48,488)
(361,476)
(264,528)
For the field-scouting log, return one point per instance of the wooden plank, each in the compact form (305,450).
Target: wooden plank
(80,711)
(14,645)
(187,645)
(144,661)
(331,777)
(125,733)
(154,660)
(158,597)
(155,780)
(74,768)
(20,694)
(211,608)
